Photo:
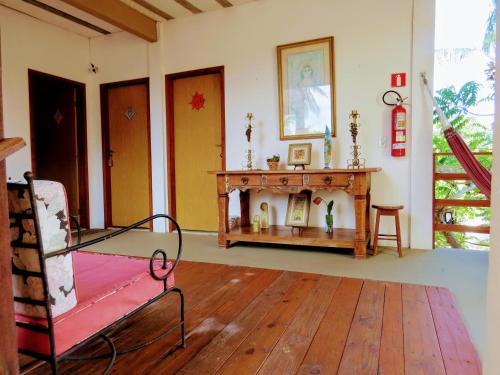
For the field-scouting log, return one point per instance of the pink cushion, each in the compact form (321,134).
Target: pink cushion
(108,287)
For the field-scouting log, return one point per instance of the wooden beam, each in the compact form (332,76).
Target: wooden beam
(463,203)
(225,3)
(189,6)
(8,342)
(155,10)
(462,228)
(9,146)
(121,15)
(67,16)
(452,176)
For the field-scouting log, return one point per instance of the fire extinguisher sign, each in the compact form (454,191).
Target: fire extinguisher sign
(398,80)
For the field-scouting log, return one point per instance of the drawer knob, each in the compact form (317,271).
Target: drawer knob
(284,180)
(327,180)
(244,180)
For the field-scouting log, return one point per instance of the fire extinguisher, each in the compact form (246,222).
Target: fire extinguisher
(398,125)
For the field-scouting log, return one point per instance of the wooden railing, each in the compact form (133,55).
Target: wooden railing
(455,173)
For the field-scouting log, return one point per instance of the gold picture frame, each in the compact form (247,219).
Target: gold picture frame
(306,89)
(299,154)
(297,212)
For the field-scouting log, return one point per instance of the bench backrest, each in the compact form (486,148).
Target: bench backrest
(39,225)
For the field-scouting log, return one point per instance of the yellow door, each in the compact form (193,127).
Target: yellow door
(128,154)
(198,147)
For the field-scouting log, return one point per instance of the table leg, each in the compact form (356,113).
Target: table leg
(360,203)
(223,204)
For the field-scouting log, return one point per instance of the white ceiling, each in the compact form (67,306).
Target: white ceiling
(171,7)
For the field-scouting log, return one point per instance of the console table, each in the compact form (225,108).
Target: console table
(355,182)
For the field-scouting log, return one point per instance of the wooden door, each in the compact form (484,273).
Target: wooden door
(58,137)
(56,150)
(198,148)
(127,154)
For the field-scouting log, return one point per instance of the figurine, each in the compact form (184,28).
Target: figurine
(264,214)
(327,151)
(256,224)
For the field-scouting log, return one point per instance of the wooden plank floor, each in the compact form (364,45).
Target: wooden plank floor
(242,320)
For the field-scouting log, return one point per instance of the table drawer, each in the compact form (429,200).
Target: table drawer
(284,180)
(244,180)
(334,180)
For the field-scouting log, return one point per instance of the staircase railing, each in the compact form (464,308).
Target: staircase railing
(453,173)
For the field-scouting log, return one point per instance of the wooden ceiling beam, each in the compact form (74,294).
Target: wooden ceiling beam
(155,10)
(225,3)
(120,15)
(189,6)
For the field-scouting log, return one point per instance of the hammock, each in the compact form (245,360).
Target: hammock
(476,171)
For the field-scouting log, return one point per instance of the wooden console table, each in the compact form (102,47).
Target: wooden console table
(355,182)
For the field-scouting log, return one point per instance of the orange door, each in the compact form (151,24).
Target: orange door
(198,145)
(128,160)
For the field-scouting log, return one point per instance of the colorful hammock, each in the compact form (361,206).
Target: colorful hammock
(477,172)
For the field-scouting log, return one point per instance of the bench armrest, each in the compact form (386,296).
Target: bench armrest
(121,231)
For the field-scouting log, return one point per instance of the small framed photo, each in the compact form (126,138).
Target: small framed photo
(297,213)
(299,153)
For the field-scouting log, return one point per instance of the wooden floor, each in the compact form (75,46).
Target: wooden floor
(243,320)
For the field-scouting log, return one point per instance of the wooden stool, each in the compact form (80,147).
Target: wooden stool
(387,211)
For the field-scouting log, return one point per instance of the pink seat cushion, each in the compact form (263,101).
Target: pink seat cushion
(108,287)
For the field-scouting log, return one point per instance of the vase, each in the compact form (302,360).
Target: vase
(329,223)
(273,165)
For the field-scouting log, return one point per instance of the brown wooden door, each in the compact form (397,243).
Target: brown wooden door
(127,154)
(198,148)
(59,137)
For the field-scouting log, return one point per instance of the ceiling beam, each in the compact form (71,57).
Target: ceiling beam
(121,15)
(224,3)
(189,6)
(67,16)
(155,10)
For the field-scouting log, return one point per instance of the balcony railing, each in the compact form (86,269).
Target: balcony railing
(447,169)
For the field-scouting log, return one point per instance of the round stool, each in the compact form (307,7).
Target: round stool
(387,211)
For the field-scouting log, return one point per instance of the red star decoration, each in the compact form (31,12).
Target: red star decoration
(198,101)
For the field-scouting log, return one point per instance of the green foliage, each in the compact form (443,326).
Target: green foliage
(455,105)
(329,207)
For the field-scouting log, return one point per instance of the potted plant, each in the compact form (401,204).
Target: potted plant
(273,162)
(328,217)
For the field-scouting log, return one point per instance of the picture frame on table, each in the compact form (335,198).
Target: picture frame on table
(297,213)
(306,88)
(299,154)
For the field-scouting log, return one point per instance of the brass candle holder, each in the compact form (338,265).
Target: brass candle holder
(249,153)
(356,161)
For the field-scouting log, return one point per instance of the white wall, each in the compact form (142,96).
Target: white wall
(372,40)
(30,44)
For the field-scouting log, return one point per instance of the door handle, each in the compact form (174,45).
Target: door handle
(110,158)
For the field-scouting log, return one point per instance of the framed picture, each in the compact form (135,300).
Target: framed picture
(299,153)
(306,89)
(297,213)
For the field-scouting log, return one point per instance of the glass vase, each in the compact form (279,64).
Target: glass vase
(329,223)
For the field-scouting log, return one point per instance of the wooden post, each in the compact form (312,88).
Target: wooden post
(9,363)
(361,208)
(223,203)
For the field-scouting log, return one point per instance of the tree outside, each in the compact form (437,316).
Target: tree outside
(470,110)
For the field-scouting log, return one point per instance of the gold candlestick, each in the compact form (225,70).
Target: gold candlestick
(356,161)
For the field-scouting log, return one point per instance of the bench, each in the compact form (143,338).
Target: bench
(64,297)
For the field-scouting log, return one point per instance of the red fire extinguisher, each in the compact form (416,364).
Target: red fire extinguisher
(398,125)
